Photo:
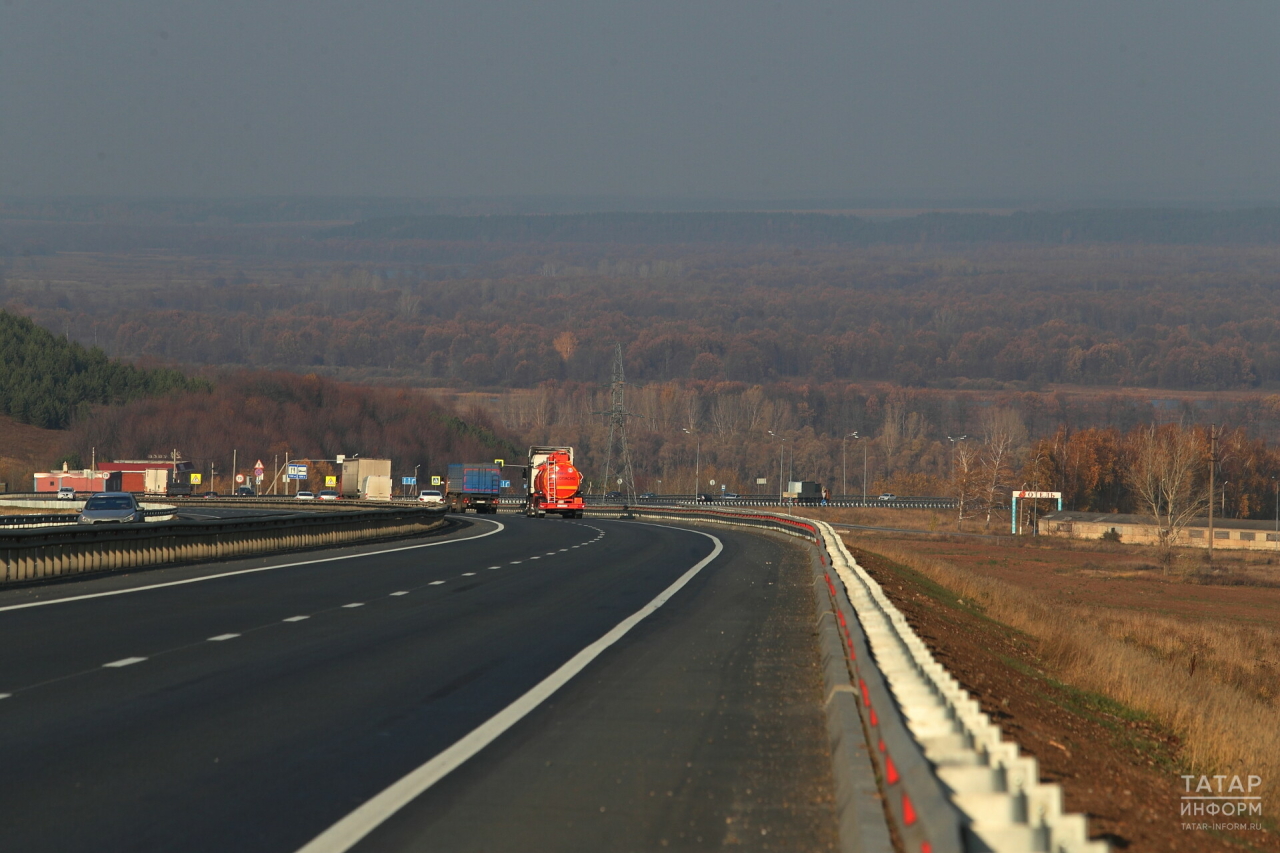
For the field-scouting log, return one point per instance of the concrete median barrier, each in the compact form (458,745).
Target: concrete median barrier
(40,553)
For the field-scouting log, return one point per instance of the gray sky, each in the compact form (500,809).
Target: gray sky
(1170,100)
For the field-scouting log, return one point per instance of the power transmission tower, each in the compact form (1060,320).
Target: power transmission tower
(618,415)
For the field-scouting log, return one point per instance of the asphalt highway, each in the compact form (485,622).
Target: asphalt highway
(256,705)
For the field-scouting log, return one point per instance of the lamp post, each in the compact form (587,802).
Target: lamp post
(697,464)
(844,461)
(955,442)
(781,446)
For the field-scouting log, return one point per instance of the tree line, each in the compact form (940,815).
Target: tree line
(46,380)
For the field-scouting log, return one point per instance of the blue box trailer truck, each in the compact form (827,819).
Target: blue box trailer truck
(473,485)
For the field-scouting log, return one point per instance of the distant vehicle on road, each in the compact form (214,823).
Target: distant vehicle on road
(67,493)
(431,497)
(705,499)
(729,496)
(210,495)
(245,492)
(111,508)
(329,495)
(887,496)
(647,496)
(473,485)
(613,496)
(305,496)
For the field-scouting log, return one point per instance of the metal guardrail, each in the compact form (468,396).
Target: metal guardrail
(951,783)
(68,549)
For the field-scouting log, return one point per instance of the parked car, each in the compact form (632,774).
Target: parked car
(66,493)
(887,496)
(431,497)
(111,508)
(305,496)
(328,494)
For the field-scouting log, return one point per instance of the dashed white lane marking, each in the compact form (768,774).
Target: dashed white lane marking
(221,637)
(435,583)
(401,592)
(535,558)
(498,528)
(354,604)
(551,553)
(468,574)
(296,618)
(562,550)
(123,662)
(5,695)
(348,832)
(495,567)
(516,562)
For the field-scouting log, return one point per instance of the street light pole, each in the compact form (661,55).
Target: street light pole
(844,462)
(697,464)
(781,446)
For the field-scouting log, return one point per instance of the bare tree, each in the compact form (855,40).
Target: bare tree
(1164,468)
(964,476)
(1004,435)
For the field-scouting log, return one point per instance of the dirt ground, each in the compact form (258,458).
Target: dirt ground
(1117,766)
(24,449)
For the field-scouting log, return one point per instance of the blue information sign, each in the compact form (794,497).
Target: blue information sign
(297,472)
(408,481)
(506,484)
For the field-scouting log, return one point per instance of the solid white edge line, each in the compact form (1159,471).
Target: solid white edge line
(346,833)
(295,618)
(500,527)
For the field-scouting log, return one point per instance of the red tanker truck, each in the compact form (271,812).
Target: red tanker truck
(555,486)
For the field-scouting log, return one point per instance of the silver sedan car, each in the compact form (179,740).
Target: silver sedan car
(111,508)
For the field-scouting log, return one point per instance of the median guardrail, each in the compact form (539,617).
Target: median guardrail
(47,552)
(948,779)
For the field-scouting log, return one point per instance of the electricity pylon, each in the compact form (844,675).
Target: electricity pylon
(618,415)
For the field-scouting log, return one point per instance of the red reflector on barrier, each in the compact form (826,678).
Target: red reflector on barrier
(908,810)
(875,721)
(926,847)
(866,697)
(891,773)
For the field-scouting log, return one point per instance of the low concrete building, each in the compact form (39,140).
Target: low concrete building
(1231,533)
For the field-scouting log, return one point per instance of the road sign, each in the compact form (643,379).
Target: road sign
(408,481)
(436,481)
(762,481)
(258,478)
(713,482)
(239,478)
(724,486)
(506,484)
(499,462)
(297,471)
(196,479)
(340,458)
(258,470)
(330,481)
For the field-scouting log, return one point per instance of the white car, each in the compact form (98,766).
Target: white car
(329,495)
(887,496)
(304,496)
(431,497)
(66,493)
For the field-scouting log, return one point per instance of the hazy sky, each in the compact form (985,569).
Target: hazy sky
(903,99)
